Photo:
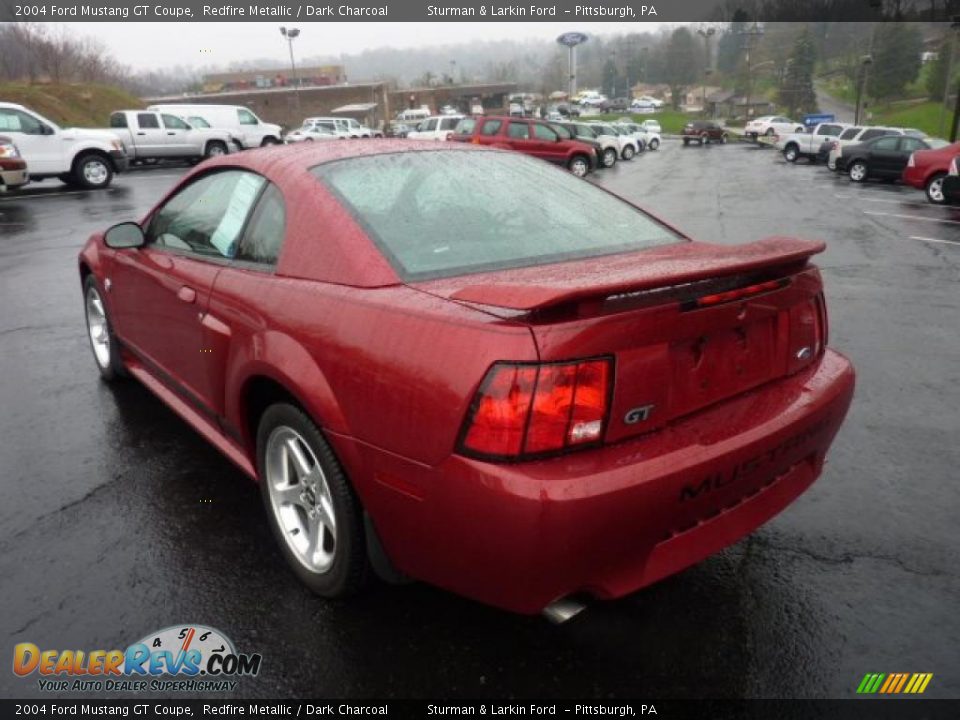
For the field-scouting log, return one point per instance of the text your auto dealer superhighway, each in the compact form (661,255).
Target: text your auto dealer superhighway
(287,11)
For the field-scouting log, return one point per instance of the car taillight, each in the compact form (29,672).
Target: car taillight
(808,333)
(8,150)
(953,167)
(523,410)
(911,162)
(834,145)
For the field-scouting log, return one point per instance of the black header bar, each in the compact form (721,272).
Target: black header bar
(573,11)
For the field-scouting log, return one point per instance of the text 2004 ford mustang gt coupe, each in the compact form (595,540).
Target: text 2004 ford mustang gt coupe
(467,367)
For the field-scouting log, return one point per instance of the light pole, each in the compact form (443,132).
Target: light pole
(706,34)
(755,31)
(290,34)
(865,62)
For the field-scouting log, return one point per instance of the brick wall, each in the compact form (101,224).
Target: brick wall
(280,105)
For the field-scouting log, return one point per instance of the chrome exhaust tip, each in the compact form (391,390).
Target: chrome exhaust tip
(560,611)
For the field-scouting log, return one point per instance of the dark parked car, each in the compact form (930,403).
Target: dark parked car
(883,157)
(703,132)
(531,137)
(615,105)
(483,373)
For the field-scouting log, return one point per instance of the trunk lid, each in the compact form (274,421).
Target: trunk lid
(688,325)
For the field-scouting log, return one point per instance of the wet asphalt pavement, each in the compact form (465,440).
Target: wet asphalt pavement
(116,519)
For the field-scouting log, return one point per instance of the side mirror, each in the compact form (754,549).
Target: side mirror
(125,235)
(46,130)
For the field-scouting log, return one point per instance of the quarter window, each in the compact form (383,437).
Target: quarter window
(206,217)
(887,143)
(264,237)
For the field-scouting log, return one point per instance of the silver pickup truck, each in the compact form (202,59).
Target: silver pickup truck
(149,135)
(806,144)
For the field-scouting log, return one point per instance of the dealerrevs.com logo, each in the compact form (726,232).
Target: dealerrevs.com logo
(187,658)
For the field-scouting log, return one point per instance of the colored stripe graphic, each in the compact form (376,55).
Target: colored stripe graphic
(894,683)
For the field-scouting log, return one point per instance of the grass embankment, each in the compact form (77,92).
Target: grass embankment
(671,121)
(923,116)
(81,105)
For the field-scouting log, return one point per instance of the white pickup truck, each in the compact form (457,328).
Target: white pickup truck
(150,135)
(807,144)
(87,158)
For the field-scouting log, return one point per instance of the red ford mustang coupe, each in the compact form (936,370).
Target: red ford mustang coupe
(464,366)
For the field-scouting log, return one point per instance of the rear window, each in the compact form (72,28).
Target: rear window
(850,133)
(439,214)
(875,133)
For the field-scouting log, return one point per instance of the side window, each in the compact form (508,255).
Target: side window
(118,120)
(264,236)
(448,123)
(518,131)
(172,122)
(542,132)
(887,143)
(246,117)
(16,121)
(147,120)
(466,126)
(491,127)
(207,216)
(430,125)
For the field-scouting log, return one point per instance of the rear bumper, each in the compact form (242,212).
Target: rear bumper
(914,177)
(609,521)
(13,173)
(951,188)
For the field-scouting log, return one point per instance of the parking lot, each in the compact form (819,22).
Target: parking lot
(116,519)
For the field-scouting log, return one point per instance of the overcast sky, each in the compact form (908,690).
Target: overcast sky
(159,45)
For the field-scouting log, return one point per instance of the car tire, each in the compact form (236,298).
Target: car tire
(934,189)
(628,152)
(770,132)
(791,153)
(215,148)
(269,141)
(579,165)
(609,157)
(654,144)
(103,343)
(92,171)
(857,171)
(723,139)
(686,141)
(312,510)
(704,139)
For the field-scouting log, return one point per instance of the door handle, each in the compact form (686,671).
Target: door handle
(141,133)
(171,133)
(187,294)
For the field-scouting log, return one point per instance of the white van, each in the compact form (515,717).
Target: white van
(247,129)
(414,114)
(440,127)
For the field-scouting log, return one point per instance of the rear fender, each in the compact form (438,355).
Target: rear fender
(278,357)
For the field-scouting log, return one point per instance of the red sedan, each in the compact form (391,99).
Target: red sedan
(926,170)
(468,367)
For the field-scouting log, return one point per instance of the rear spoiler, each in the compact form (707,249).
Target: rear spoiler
(647,270)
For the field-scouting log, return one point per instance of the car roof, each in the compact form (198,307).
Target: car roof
(12,105)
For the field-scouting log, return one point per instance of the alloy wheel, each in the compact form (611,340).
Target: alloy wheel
(300,499)
(97,328)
